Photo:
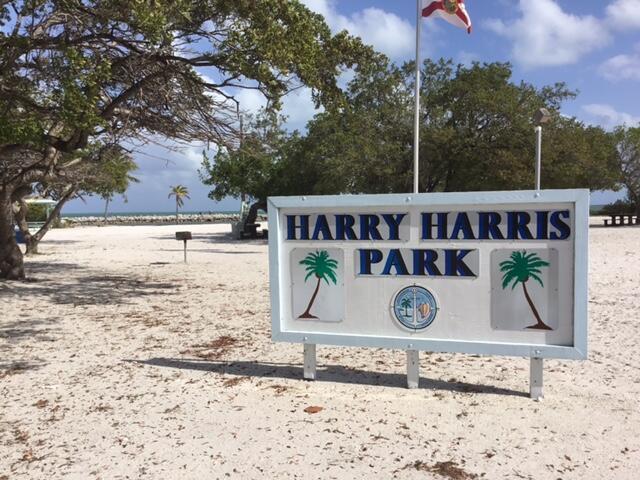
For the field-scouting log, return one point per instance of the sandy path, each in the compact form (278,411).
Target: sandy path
(122,362)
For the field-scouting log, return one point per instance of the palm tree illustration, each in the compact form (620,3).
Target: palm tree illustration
(519,269)
(321,266)
(180,192)
(405,303)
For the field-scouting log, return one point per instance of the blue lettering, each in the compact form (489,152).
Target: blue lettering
(367,258)
(292,227)
(369,227)
(488,226)
(393,222)
(425,261)
(564,230)
(344,227)
(462,225)
(542,228)
(454,265)
(517,226)
(427,226)
(395,260)
(322,227)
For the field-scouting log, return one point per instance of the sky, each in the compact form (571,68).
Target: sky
(592,45)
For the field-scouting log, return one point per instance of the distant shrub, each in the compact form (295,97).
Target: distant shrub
(36,213)
(619,207)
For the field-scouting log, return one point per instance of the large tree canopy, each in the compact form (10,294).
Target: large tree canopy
(629,161)
(82,71)
(476,133)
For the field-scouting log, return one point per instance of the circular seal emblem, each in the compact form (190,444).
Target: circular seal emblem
(415,307)
(451,6)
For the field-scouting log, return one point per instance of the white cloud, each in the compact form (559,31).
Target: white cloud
(624,14)
(621,67)
(251,100)
(299,108)
(387,32)
(545,35)
(467,58)
(609,117)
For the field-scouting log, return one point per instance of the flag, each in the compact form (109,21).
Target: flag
(452,11)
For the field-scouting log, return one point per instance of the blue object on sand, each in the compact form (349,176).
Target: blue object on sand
(19,236)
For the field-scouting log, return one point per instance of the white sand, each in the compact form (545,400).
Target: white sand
(103,374)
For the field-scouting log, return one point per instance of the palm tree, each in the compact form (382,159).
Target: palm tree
(180,192)
(321,266)
(519,269)
(405,303)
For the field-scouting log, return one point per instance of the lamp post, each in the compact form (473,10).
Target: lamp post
(540,117)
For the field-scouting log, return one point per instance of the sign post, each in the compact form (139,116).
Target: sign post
(489,273)
(184,236)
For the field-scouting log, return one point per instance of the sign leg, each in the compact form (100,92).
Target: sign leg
(185,251)
(309,361)
(535,385)
(413,368)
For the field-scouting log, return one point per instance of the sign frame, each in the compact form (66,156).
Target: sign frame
(578,197)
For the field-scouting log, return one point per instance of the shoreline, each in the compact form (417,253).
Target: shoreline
(150,220)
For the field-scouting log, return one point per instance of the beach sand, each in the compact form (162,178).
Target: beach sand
(119,361)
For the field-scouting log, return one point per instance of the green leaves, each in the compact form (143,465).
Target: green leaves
(179,192)
(320,265)
(521,267)
(628,159)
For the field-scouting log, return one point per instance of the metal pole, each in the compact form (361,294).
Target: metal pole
(416,118)
(535,379)
(309,370)
(538,154)
(413,356)
(185,251)
(413,369)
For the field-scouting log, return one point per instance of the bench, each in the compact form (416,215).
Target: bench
(250,230)
(618,220)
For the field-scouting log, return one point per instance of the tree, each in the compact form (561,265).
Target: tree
(77,72)
(629,163)
(112,178)
(105,171)
(180,192)
(519,269)
(476,134)
(262,165)
(321,266)
(405,303)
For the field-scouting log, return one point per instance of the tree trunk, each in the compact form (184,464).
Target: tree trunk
(307,313)
(32,241)
(11,264)
(540,325)
(176,210)
(23,225)
(106,209)
(252,216)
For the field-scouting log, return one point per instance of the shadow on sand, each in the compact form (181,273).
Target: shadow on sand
(210,250)
(222,237)
(25,329)
(17,367)
(72,284)
(326,373)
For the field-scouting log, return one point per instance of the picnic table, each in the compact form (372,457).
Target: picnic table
(618,219)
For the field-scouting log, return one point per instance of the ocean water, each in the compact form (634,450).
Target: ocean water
(147,214)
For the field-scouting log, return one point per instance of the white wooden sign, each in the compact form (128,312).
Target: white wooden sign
(500,273)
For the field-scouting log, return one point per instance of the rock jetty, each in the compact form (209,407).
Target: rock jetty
(150,219)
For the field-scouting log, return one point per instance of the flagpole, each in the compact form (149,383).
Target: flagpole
(416,118)
(413,356)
